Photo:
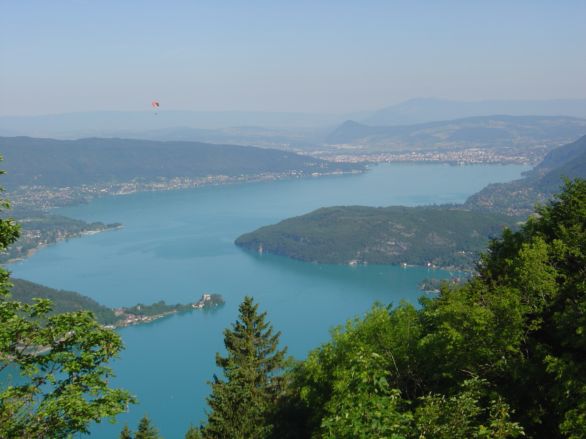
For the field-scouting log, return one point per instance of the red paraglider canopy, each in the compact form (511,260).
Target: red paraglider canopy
(155,104)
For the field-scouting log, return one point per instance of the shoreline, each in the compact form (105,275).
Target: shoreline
(32,251)
(356,264)
(86,195)
(46,198)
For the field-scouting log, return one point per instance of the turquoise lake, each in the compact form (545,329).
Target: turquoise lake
(177,245)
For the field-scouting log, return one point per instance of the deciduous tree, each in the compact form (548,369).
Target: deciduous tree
(55,379)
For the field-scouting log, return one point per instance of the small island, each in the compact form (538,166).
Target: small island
(70,301)
(141,314)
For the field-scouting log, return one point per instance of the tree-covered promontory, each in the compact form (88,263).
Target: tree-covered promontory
(445,236)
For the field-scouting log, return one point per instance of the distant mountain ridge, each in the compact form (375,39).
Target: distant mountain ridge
(277,138)
(31,161)
(487,132)
(412,111)
(109,123)
(423,110)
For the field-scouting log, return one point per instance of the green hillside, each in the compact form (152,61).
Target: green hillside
(441,236)
(63,163)
(63,301)
(520,196)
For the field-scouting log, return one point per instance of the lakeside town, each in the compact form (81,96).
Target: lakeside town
(44,198)
(468,156)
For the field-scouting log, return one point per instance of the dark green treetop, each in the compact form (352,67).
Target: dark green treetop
(126,433)
(146,429)
(193,433)
(241,403)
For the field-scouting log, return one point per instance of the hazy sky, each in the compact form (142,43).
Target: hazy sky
(317,56)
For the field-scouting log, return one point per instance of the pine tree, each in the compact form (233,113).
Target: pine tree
(146,430)
(193,433)
(126,433)
(241,403)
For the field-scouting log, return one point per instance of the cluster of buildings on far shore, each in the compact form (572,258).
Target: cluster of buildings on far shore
(469,156)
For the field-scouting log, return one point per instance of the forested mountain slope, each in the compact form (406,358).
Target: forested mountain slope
(49,162)
(63,301)
(519,197)
(440,236)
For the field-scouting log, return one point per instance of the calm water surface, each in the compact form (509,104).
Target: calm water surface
(177,245)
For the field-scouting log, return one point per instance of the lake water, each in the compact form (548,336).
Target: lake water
(177,245)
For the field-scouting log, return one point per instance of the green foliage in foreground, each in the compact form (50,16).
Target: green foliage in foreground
(60,381)
(441,235)
(501,356)
(54,374)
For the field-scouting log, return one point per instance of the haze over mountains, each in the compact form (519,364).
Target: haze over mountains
(121,123)
(117,123)
(481,131)
(429,109)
